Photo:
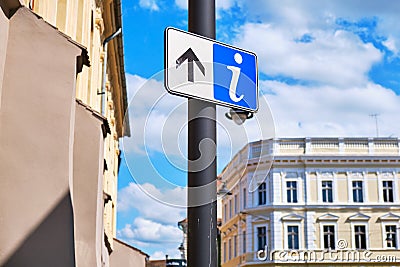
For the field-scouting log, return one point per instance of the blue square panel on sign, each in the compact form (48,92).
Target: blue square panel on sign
(235,74)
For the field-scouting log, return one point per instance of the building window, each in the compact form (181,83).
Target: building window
(261,237)
(391,236)
(360,237)
(327,191)
(230,208)
(236,204)
(229,249)
(388,191)
(329,236)
(224,251)
(244,198)
(262,194)
(293,237)
(225,212)
(244,242)
(291,189)
(358,191)
(235,246)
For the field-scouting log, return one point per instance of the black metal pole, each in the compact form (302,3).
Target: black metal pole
(202,172)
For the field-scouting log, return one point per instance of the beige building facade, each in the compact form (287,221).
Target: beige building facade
(59,151)
(313,201)
(37,129)
(89,23)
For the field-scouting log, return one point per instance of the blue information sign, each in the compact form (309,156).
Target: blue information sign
(235,74)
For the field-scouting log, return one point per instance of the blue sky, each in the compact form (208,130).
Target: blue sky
(324,67)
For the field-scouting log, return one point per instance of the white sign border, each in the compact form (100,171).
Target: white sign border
(221,103)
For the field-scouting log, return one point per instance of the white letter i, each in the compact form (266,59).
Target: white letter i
(235,78)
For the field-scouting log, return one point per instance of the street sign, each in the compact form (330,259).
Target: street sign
(202,68)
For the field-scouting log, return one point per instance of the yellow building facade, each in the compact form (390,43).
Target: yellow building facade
(313,201)
(59,133)
(89,23)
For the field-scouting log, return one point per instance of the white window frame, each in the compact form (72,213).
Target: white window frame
(255,239)
(297,191)
(244,198)
(225,250)
(353,237)
(244,241)
(230,208)
(236,203)
(225,212)
(286,224)
(230,249)
(362,190)
(387,177)
(235,246)
(258,194)
(321,233)
(353,177)
(321,191)
(299,184)
(326,176)
(397,225)
(383,189)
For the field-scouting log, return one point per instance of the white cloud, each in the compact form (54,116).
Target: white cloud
(390,44)
(155,200)
(336,62)
(333,57)
(329,111)
(149,112)
(149,4)
(159,123)
(312,12)
(148,231)
(311,15)
(182,4)
(134,83)
(339,105)
(160,255)
(147,234)
(155,228)
(224,4)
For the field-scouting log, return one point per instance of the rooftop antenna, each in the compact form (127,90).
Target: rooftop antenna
(375,115)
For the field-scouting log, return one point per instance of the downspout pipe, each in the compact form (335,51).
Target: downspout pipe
(103,86)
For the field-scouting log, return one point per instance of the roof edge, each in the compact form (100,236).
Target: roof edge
(131,247)
(10,7)
(105,126)
(126,131)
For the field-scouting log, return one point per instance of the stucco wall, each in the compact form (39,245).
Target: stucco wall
(87,187)
(36,137)
(124,255)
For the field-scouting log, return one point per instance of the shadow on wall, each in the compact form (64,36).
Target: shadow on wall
(51,243)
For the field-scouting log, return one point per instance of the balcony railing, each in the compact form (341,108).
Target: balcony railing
(316,146)
(266,150)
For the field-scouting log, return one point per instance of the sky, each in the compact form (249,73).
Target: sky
(324,68)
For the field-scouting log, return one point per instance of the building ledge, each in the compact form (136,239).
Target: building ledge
(105,126)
